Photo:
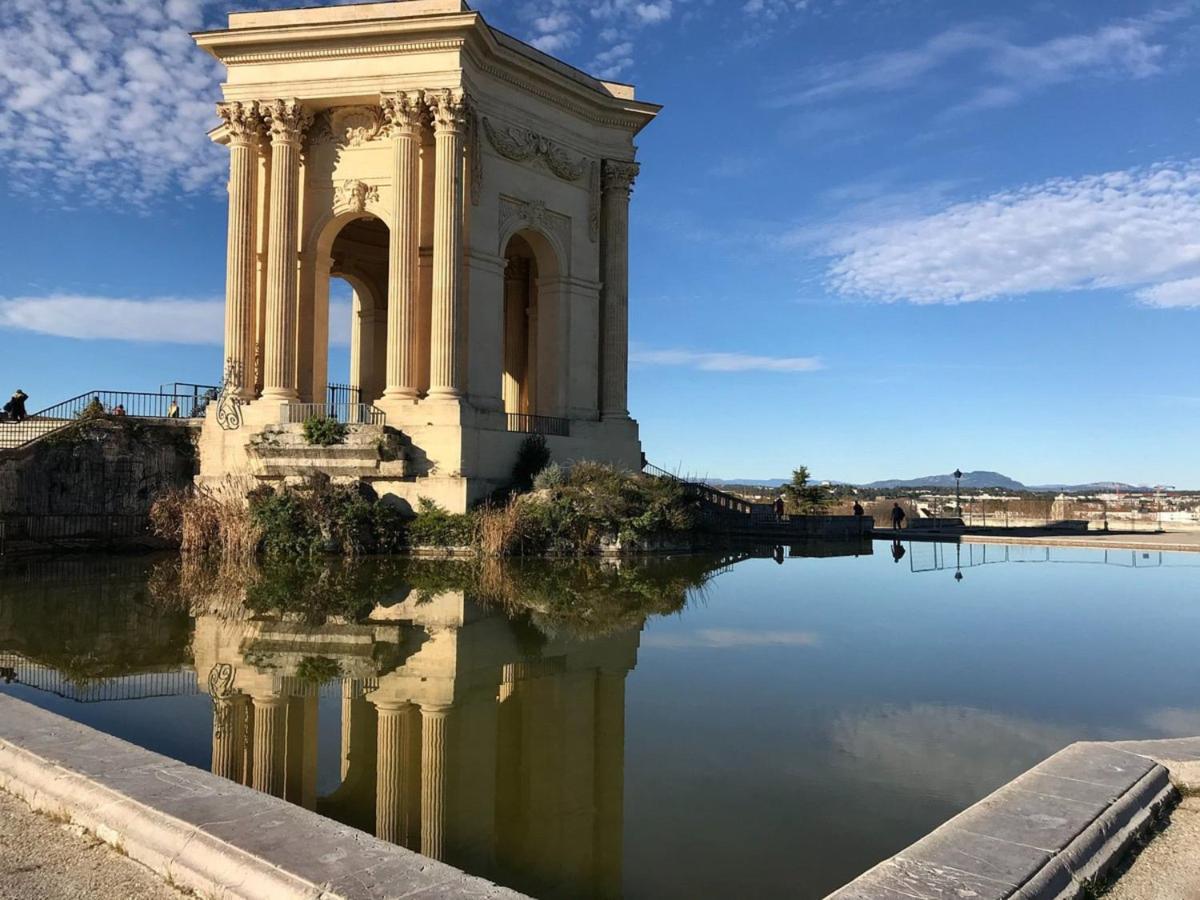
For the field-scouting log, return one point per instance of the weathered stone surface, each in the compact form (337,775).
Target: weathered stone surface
(202,831)
(1044,835)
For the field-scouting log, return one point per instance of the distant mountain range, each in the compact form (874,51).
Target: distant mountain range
(971,480)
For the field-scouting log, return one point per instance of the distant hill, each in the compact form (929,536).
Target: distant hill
(975,481)
(972,480)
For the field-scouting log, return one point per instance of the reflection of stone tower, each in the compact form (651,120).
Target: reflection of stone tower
(461,737)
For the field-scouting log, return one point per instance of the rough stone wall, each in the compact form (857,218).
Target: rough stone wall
(100,467)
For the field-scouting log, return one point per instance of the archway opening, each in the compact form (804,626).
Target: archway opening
(358,286)
(519,388)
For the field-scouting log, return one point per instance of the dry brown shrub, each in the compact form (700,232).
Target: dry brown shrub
(211,519)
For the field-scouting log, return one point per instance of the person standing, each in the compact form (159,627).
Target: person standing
(897,516)
(779,509)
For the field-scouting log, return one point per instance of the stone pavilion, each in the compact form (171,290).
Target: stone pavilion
(474,193)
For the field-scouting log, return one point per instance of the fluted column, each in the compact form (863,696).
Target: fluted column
(446,367)
(245,125)
(289,121)
(404,111)
(229,716)
(270,720)
(614,325)
(350,692)
(393,781)
(433,780)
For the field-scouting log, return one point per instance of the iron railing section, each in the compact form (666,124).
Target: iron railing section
(54,527)
(17,669)
(342,394)
(347,413)
(714,499)
(549,426)
(200,396)
(134,404)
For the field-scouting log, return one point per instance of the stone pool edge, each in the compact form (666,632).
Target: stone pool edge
(1057,831)
(201,832)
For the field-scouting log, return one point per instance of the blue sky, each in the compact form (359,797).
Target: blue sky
(877,237)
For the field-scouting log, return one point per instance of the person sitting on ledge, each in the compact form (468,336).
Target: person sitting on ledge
(15,408)
(119,410)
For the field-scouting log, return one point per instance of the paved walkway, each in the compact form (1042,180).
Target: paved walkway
(41,859)
(1183,541)
(1169,867)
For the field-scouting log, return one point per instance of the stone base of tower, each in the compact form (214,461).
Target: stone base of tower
(448,452)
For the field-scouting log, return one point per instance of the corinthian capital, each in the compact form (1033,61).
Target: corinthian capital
(289,120)
(403,110)
(244,120)
(448,107)
(620,175)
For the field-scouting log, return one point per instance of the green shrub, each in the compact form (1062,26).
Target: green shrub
(434,527)
(552,476)
(323,431)
(532,457)
(322,517)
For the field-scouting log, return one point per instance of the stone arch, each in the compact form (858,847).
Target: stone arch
(533,339)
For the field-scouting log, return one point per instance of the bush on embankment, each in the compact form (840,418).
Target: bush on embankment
(578,512)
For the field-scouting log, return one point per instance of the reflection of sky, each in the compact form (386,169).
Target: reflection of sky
(806,720)
(809,761)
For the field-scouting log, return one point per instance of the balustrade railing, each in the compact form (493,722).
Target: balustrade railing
(716,500)
(186,404)
(551,426)
(347,413)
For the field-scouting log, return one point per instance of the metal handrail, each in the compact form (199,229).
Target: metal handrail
(723,500)
(550,426)
(103,404)
(340,394)
(347,413)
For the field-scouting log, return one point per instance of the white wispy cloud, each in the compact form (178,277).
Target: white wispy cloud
(166,320)
(1132,229)
(725,362)
(1000,71)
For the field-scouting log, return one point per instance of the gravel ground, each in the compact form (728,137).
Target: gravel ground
(41,859)
(1169,867)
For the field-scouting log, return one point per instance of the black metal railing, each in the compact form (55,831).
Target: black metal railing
(713,498)
(343,394)
(347,413)
(550,426)
(189,404)
(53,528)
(180,682)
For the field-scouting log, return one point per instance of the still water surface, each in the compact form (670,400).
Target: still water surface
(767,728)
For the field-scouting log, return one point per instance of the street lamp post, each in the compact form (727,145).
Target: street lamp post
(958,492)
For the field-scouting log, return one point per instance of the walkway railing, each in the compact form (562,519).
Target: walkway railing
(188,404)
(551,426)
(342,394)
(714,498)
(15,668)
(347,413)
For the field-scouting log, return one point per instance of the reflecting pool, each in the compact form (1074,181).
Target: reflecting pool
(770,723)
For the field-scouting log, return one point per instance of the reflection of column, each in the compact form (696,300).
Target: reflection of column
(433,780)
(610,781)
(446,364)
(404,112)
(393,782)
(350,691)
(245,125)
(289,120)
(270,731)
(229,716)
(614,325)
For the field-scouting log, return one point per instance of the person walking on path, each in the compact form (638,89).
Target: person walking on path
(897,516)
(778,509)
(15,407)
(858,510)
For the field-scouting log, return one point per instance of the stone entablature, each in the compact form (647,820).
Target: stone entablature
(411,150)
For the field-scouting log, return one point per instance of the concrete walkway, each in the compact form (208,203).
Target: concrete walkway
(1174,542)
(41,859)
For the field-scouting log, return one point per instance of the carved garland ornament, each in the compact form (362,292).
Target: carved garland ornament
(522,145)
(534,214)
(220,687)
(348,126)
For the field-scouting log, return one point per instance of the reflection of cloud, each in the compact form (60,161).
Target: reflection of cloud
(1174,722)
(955,752)
(731,637)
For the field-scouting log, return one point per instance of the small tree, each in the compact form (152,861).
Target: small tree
(804,498)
